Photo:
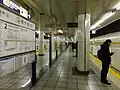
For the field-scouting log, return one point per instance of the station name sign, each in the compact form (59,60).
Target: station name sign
(19,9)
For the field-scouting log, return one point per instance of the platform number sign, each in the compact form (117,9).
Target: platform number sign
(5,25)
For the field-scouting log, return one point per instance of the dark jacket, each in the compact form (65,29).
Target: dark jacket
(106,55)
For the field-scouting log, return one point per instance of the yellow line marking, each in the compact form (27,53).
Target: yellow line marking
(115,42)
(115,73)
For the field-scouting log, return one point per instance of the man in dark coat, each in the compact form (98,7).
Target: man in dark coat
(106,60)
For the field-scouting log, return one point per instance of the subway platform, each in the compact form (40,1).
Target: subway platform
(62,77)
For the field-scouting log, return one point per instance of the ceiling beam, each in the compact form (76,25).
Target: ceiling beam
(31,4)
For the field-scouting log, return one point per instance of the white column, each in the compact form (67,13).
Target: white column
(41,45)
(42,27)
(83,42)
(40,61)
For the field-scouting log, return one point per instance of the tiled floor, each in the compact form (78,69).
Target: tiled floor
(60,77)
(16,80)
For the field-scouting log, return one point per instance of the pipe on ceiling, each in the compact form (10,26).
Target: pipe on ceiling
(54,17)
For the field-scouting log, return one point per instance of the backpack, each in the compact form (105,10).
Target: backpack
(99,55)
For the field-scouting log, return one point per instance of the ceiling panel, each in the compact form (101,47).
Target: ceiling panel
(64,11)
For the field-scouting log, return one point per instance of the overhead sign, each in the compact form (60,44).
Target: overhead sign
(19,9)
(23,12)
(14,6)
(6,2)
(17,35)
(72,24)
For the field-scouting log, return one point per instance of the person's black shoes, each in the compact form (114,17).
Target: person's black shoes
(105,82)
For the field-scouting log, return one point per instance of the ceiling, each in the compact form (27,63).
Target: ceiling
(68,10)
(64,11)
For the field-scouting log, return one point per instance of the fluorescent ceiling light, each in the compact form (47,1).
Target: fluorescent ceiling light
(60,31)
(117,6)
(96,24)
(106,16)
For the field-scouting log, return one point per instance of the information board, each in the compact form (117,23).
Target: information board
(17,35)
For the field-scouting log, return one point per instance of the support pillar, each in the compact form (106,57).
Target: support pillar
(41,28)
(50,51)
(39,43)
(83,42)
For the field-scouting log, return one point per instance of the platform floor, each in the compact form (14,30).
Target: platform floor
(16,80)
(60,77)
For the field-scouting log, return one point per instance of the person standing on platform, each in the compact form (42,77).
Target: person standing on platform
(106,60)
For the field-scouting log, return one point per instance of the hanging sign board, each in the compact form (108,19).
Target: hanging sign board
(20,10)
(17,35)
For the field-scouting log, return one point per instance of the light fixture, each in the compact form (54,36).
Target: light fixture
(93,32)
(106,16)
(43,33)
(48,35)
(96,24)
(117,6)
(60,31)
